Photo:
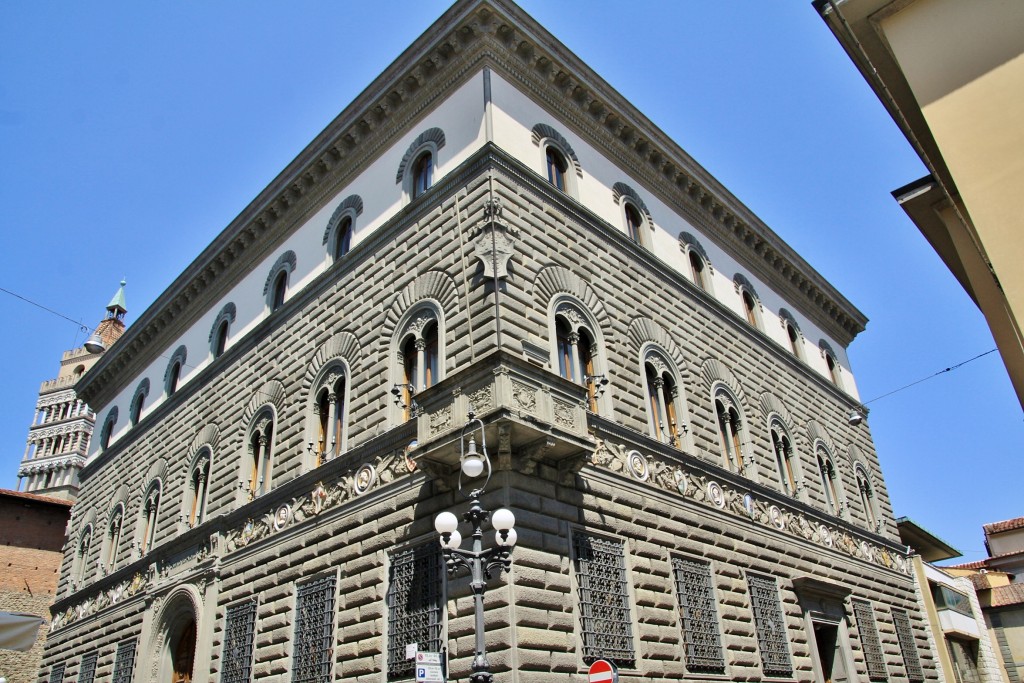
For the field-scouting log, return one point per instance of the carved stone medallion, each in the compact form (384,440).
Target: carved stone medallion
(366,477)
(715,494)
(637,464)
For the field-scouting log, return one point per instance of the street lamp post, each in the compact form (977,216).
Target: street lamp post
(477,560)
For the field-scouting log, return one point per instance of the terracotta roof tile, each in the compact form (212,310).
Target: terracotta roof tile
(977,564)
(35,496)
(1008,595)
(1006,525)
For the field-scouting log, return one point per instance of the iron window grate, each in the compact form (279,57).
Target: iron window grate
(87,668)
(908,647)
(314,631)
(414,600)
(239,632)
(699,614)
(873,656)
(605,621)
(770,625)
(124,662)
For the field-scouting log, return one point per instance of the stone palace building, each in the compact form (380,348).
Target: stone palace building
(669,410)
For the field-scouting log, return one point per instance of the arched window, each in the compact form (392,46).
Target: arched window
(108,428)
(831,364)
(276,287)
(697,261)
(793,335)
(577,350)
(172,379)
(422,174)
(416,170)
(82,557)
(827,475)
(867,498)
(343,240)
(782,447)
(150,508)
(260,445)
(114,536)
(662,399)
(560,163)
(220,340)
(330,409)
(749,307)
(749,300)
(557,167)
(136,411)
(697,270)
(634,224)
(730,430)
(199,476)
(420,355)
(280,291)
(174,366)
(220,330)
(833,368)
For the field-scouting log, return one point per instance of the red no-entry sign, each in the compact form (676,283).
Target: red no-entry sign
(602,671)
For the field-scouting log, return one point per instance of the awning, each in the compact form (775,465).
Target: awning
(18,631)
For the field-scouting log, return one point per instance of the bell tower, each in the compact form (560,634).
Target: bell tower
(58,439)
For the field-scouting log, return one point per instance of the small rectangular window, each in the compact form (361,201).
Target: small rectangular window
(872,646)
(604,603)
(908,644)
(770,625)
(314,631)
(239,632)
(57,673)
(124,662)
(696,592)
(415,605)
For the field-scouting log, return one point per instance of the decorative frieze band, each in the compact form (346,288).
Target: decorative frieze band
(324,496)
(703,488)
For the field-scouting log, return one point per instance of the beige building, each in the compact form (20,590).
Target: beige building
(663,384)
(959,635)
(951,74)
(999,581)
(62,425)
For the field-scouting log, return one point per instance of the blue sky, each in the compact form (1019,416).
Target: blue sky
(132,133)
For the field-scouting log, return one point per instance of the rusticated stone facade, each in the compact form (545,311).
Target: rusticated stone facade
(658,447)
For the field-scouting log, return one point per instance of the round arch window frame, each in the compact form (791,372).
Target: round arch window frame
(560,306)
(322,382)
(722,392)
(652,353)
(412,323)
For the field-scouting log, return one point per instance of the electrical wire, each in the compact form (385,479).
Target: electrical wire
(79,323)
(925,379)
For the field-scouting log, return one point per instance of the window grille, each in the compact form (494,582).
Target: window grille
(314,631)
(908,647)
(124,662)
(700,616)
(869,641)
(87,668)
(414,599)
(605,621)
(771,627)
(239,631)
(57,673)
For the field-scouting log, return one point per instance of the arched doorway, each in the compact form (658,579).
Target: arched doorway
(183,653)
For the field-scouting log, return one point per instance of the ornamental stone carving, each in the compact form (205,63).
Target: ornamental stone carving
(699,488)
